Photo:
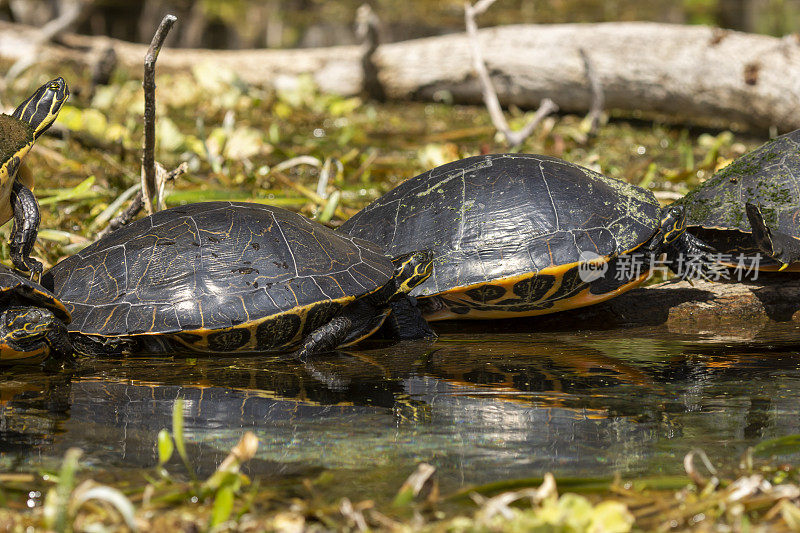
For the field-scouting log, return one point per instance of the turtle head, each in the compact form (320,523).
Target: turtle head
(673,223)
(26,325)
(411,270)
(28,332)
(41,108)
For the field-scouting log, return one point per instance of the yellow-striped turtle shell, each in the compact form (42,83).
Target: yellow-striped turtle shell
(514,234)
(220,277)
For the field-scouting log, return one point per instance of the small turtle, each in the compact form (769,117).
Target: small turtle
(18,132)
(522,234)
(768,178)
(32,321)
(224,277)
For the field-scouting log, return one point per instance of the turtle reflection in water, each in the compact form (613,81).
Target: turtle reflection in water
(222,277)
(511,234)
(18,132)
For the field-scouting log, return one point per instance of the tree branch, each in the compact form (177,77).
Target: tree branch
(546,106)
(368,32)
(149,189)
(137,203)
(598,97)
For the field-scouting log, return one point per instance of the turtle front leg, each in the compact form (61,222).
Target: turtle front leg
(406,320)
(326,337)
(689,257)
(59,341)
(775,244)
(25,230)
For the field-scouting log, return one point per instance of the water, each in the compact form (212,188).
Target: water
(480,404)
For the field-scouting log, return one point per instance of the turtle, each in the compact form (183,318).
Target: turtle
(768,178)
(523,234)
(32,322)
(18,132)
(227,277)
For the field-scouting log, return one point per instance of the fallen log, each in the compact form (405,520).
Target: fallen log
(767,308)
(693,73)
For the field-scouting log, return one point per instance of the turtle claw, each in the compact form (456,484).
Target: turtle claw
(27,264)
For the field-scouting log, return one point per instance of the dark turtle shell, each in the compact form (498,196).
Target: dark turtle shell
(510,231)
(769,177)
(225,276)
(19,290)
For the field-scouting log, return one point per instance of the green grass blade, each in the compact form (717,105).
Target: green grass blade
(177,434)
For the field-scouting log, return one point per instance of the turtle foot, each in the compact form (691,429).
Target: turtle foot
(27,264)
(690,258)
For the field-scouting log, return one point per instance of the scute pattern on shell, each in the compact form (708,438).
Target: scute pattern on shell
(497,216)
(211,266)
(14,285)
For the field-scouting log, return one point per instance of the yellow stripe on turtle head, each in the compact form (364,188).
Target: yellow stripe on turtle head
(412,270)
(673,222)
(41,108)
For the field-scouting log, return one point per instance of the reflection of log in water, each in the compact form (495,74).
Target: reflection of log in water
(693,72)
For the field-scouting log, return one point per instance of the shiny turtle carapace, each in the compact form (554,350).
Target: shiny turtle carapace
(224,277)
(519,234)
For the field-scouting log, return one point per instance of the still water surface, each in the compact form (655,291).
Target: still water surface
(479,405)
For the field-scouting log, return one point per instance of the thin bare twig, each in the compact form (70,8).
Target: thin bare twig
(691,471)
(547,106)
(598,96)
(368,32)
(137,203)
(148,157)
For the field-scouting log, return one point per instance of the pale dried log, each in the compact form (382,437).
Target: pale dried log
(690,72)
(73,12)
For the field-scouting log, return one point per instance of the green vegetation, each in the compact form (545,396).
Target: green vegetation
(326,157)
(754,495)
(322,155)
